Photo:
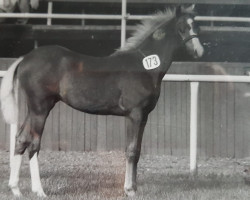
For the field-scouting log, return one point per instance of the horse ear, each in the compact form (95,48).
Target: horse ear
(190,8)
(182,9)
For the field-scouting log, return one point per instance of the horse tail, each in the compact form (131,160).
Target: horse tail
(8,94)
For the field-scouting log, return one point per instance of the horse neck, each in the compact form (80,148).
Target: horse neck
(164,49)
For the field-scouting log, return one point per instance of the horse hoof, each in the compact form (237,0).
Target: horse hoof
(130,192)
(40,194)
(16,191)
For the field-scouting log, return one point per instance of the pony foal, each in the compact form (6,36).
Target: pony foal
(126,83)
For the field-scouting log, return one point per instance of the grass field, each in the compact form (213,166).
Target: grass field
(80,176)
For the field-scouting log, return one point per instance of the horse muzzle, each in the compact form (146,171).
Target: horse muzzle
(194,46)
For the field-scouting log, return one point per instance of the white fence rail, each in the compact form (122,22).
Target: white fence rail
(124,16)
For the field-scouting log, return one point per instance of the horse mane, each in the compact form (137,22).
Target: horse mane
(147,27)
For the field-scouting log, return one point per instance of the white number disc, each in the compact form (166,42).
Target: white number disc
(151,62)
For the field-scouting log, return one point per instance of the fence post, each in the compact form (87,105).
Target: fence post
(123,22)
(50,7)
(193,126)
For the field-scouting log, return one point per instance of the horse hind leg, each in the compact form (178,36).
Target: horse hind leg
(38,115)
(30,138)
(18,145)
(15,158)
(37,125)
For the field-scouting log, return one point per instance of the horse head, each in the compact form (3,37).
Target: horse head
(188,31)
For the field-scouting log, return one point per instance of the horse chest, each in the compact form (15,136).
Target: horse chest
(139,94)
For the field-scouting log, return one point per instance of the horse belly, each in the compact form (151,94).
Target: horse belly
(93,105)
(91,97)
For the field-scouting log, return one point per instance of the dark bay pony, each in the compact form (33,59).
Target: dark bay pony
(126,83)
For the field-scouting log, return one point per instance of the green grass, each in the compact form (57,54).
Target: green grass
(74,175)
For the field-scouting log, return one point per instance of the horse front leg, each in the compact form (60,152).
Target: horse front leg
(136,122)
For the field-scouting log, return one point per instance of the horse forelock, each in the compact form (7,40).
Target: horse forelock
(147,27)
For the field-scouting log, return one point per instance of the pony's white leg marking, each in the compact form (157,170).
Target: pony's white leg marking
(35,177)
(128,185)
(14,174)
(15,165)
